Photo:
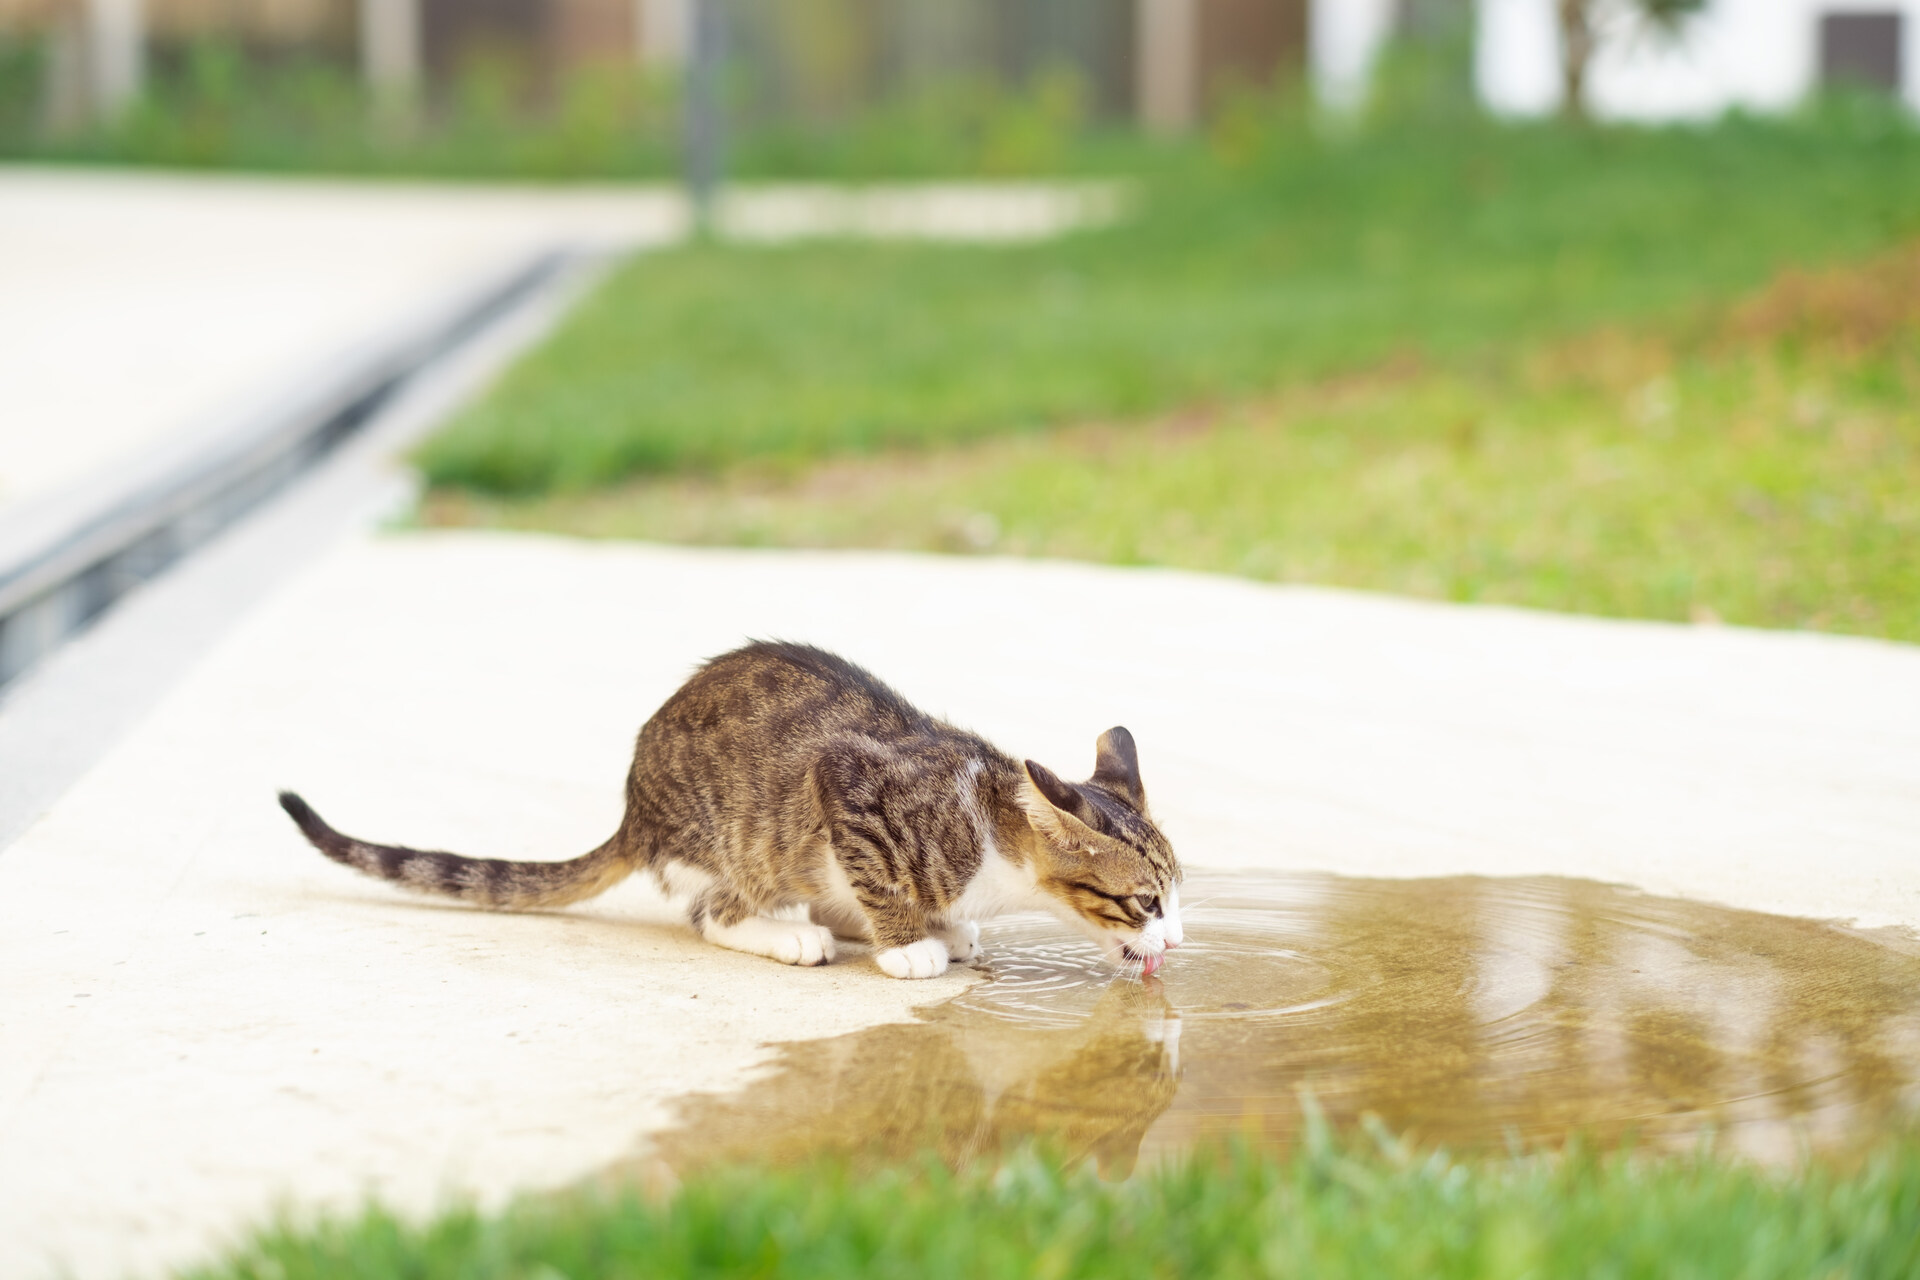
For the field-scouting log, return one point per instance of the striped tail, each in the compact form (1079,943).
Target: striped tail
(486,882)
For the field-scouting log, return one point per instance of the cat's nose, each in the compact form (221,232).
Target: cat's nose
(1172,943)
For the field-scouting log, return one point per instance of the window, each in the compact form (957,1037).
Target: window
(1860,48)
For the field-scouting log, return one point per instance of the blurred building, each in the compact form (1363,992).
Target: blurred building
(1160,61)
(1757,55)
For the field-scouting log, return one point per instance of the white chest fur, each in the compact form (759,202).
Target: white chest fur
(997,888)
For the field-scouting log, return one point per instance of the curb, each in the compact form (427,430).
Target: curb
(66,559)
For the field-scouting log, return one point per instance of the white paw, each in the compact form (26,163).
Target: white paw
(803,944)
(926,958)
(962,941)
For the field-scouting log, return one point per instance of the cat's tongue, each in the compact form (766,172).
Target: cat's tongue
(1151,963)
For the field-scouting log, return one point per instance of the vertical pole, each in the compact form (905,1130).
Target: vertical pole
(661,31)
(703,111)
(390,54)
(116,62)
(66,101)
(1576,54)
(1166,55)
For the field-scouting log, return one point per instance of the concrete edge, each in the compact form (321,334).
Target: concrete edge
(60,718)
(70,555)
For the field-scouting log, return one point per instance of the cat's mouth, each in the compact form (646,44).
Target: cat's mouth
(1147,963)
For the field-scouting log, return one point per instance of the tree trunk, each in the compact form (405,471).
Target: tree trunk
(1576,52)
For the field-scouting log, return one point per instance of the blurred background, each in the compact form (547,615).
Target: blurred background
(1597,305)
(555,88)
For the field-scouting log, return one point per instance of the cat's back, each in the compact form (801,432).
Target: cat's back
(771,696)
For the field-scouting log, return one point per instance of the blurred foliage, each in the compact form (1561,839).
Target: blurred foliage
(1333,1209)
(23,70)
(1669,14)
(1273,254)
(214,104)
(1427,73)
(958,126)
(210,104)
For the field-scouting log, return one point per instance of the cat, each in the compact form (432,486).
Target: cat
(782,776)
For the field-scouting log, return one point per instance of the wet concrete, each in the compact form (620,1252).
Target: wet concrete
(1469,1012)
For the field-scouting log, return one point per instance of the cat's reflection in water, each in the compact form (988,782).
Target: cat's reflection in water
(1087,1090)
(968,1086)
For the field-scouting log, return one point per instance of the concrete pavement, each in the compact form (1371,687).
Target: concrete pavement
(143,309)
(203,1017)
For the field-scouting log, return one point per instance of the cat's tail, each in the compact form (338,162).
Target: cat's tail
(487,882)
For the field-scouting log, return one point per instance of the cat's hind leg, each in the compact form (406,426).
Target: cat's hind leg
(834,903)
(727,920)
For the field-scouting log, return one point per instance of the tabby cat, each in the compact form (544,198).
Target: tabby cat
(782,776)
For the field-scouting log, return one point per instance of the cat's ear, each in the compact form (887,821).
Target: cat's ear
(1116,766)
(1055,809)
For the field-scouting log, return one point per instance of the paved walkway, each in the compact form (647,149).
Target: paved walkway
(138,309)
(202,1016)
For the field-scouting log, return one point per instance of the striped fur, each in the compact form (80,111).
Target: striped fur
(782,777)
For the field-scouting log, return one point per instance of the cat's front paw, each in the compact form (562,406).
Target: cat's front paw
(926,958)
(962,941)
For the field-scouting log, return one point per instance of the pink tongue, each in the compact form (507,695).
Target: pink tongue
(1151,963)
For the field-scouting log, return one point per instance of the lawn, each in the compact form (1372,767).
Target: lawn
(1764,469)
(1327,1211)
(1273,255)
(1640,373)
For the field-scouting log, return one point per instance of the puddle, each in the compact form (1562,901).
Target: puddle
(1467,1012)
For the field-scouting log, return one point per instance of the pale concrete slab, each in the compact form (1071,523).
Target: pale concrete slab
(201,1016)
(60,717)
(137,308)
(144,308)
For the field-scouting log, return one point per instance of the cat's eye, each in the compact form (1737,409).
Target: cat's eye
(1148,902)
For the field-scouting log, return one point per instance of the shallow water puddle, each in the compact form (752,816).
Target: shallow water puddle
(1468,1012)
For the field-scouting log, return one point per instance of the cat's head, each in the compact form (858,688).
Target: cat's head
(1100,860)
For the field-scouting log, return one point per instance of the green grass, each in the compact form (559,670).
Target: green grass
(1271,256)
(1765,472)
(211,103)
(1326,1212)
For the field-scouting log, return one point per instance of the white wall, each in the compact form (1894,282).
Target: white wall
(663,31)
(1910,56)
(1167,90)
(116,46)
(1762,55)
(1516,56)
(1344,38)
(390,46)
